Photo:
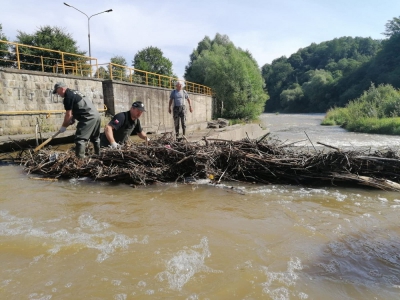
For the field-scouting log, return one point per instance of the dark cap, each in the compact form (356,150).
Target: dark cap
(58,85)
(139,105)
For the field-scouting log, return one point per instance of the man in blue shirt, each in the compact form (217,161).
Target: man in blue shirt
(178,97)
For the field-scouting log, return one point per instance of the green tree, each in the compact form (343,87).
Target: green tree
(392,27)
(317,90)
(4,53)
(198,75)
(340,57)
(233,75)
(292,99)
(278,78)
(48,37)
(151,59)
(203,45)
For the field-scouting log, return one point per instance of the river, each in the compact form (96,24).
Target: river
(78,239)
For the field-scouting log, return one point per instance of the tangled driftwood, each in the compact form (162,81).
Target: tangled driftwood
(263,161)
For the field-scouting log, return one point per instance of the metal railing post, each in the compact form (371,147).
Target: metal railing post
(62,62)
(97,68)
(18,60)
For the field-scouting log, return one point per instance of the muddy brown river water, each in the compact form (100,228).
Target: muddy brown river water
(78,239)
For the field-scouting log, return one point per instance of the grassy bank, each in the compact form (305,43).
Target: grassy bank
(376,111)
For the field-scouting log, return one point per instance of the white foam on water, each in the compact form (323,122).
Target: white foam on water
(87,221)
(36,296)
(329,213)
(120,297)
(116,282)
(310,191)
(5,283)
(277,283)
(202,181)
(303,295)
(339,197)
(236,189)
(185,264)
(49,283)
(98,236)
(36,259)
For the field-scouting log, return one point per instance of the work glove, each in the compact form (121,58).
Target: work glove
(62,129)
(115,145)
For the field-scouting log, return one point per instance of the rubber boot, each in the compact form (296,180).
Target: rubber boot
(184,132)
(80,150)
(96,147)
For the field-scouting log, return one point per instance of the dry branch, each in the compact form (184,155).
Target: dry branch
(263,161)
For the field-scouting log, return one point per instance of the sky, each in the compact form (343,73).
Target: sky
(268,29)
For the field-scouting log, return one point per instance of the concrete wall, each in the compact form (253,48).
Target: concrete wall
(22,90)
(119,96)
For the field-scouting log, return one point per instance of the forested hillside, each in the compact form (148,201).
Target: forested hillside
(332,73)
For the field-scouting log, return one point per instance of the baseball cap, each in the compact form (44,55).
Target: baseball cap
(139,105)
(58,85)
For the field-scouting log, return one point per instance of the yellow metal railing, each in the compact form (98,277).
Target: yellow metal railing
(26,57)
(20,56)
(132,75)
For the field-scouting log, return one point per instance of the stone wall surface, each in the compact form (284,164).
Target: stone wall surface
(119,97)
(26,100)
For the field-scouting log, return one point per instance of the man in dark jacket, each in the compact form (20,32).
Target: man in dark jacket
(122,125)
(80,109)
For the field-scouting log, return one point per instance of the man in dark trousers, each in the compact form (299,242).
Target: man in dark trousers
(177,98)
(122,125)
(80,109)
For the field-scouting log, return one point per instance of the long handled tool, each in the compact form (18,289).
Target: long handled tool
(46,141)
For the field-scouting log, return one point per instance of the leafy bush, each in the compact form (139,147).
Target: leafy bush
(336,116)
(375,111)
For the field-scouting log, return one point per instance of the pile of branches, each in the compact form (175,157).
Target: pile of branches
(258,161)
